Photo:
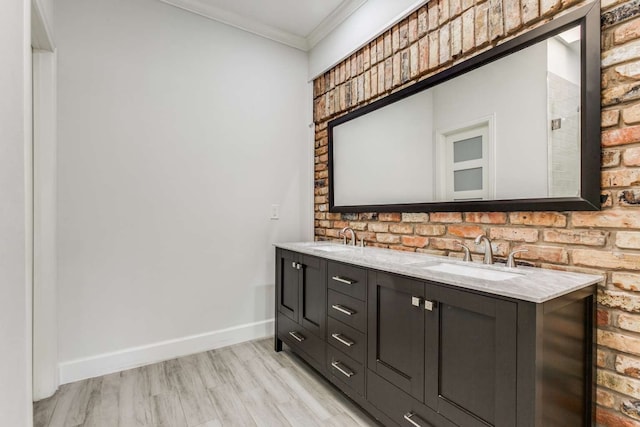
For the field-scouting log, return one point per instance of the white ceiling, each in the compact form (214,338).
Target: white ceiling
(297,23)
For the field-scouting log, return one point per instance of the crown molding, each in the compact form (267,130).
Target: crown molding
(201,8)
(337,17)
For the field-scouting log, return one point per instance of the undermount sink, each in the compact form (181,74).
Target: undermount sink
(334,248)
(475,272)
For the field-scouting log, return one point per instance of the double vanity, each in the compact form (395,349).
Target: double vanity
(420,340)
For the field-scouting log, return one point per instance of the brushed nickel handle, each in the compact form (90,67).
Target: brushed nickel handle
(298,266)
(429,305)
(293,264)
(416,301)
(344,280)
(410,416)
(345,341)
(343,310)
(336,364)
(297,336)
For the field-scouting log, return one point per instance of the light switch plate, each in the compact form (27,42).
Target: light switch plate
(275,212)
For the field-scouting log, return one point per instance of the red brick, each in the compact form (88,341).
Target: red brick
(627,32)
(387,238)
(446,217)
(622,300)
(603,259)
(514,234)
(628,366)
(358,226)
(415,241)
(468,231)
(605,398)
(626,281)
(628,239)
(631,156)
(629,322)
(616,382)
(401,228)
(601,359)
(609,118)
(402,248)
(606,418)
(545,219)
(628,135)
(612,218)
(620,178)
(390,217)
(552,254)
(423,54)
(486,217)
(430,230)
(415,217)
(442,243)
(602,317)
(379,227)
(631,115)
(611,158)
(576,237)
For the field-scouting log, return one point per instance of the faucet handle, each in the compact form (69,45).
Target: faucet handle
(467,252)
(511,261)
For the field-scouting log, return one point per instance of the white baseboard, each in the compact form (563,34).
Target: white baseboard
(102,364)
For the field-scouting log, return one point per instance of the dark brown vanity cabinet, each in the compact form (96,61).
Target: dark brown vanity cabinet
(413,352)
(454,351)
(301,297)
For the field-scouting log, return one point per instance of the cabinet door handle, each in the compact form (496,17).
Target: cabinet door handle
(344,341)
(298,266)
(296,336)
(347,373)
(343,310)
(429,305)
(410,416)
(416,301)
(344,280)
(293,264)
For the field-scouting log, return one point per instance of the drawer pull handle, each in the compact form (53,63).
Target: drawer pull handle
(342,309)
(344,341)
(296,336)
(429,305)
(342,370)
(344,280)
(410,416)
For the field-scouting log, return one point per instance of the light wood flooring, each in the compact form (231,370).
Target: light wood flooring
(242,385)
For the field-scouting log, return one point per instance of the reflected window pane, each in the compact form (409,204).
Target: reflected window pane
(467,179)
(467,149)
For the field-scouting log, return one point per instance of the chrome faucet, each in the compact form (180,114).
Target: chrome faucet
(344,236)
(488,252)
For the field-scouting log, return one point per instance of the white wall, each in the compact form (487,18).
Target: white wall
(369,21)
(15,226)
(176,134)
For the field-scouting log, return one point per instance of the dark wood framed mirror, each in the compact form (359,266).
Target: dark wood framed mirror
(514,128)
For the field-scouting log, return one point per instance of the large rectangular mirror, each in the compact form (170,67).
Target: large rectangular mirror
(514,128)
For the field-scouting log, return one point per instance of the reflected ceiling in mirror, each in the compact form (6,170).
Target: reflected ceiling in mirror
(510,129)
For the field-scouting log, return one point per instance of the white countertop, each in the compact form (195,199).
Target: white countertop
(524,283)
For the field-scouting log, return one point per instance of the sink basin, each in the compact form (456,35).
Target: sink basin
(334,248)
(478,273)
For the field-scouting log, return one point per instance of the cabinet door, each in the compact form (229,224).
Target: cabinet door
(313,295)
(287,275)
(396,331)
(470,361)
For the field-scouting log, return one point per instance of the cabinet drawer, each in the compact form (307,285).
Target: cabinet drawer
(348,310)
(347,339)
(298,338)
(399,406)
(346,370)
(347,279)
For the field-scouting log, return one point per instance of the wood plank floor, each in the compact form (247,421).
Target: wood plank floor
(244,385)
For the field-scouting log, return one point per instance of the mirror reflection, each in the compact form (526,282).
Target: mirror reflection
(507,130)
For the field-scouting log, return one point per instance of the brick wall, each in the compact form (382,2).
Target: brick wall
(608,242)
